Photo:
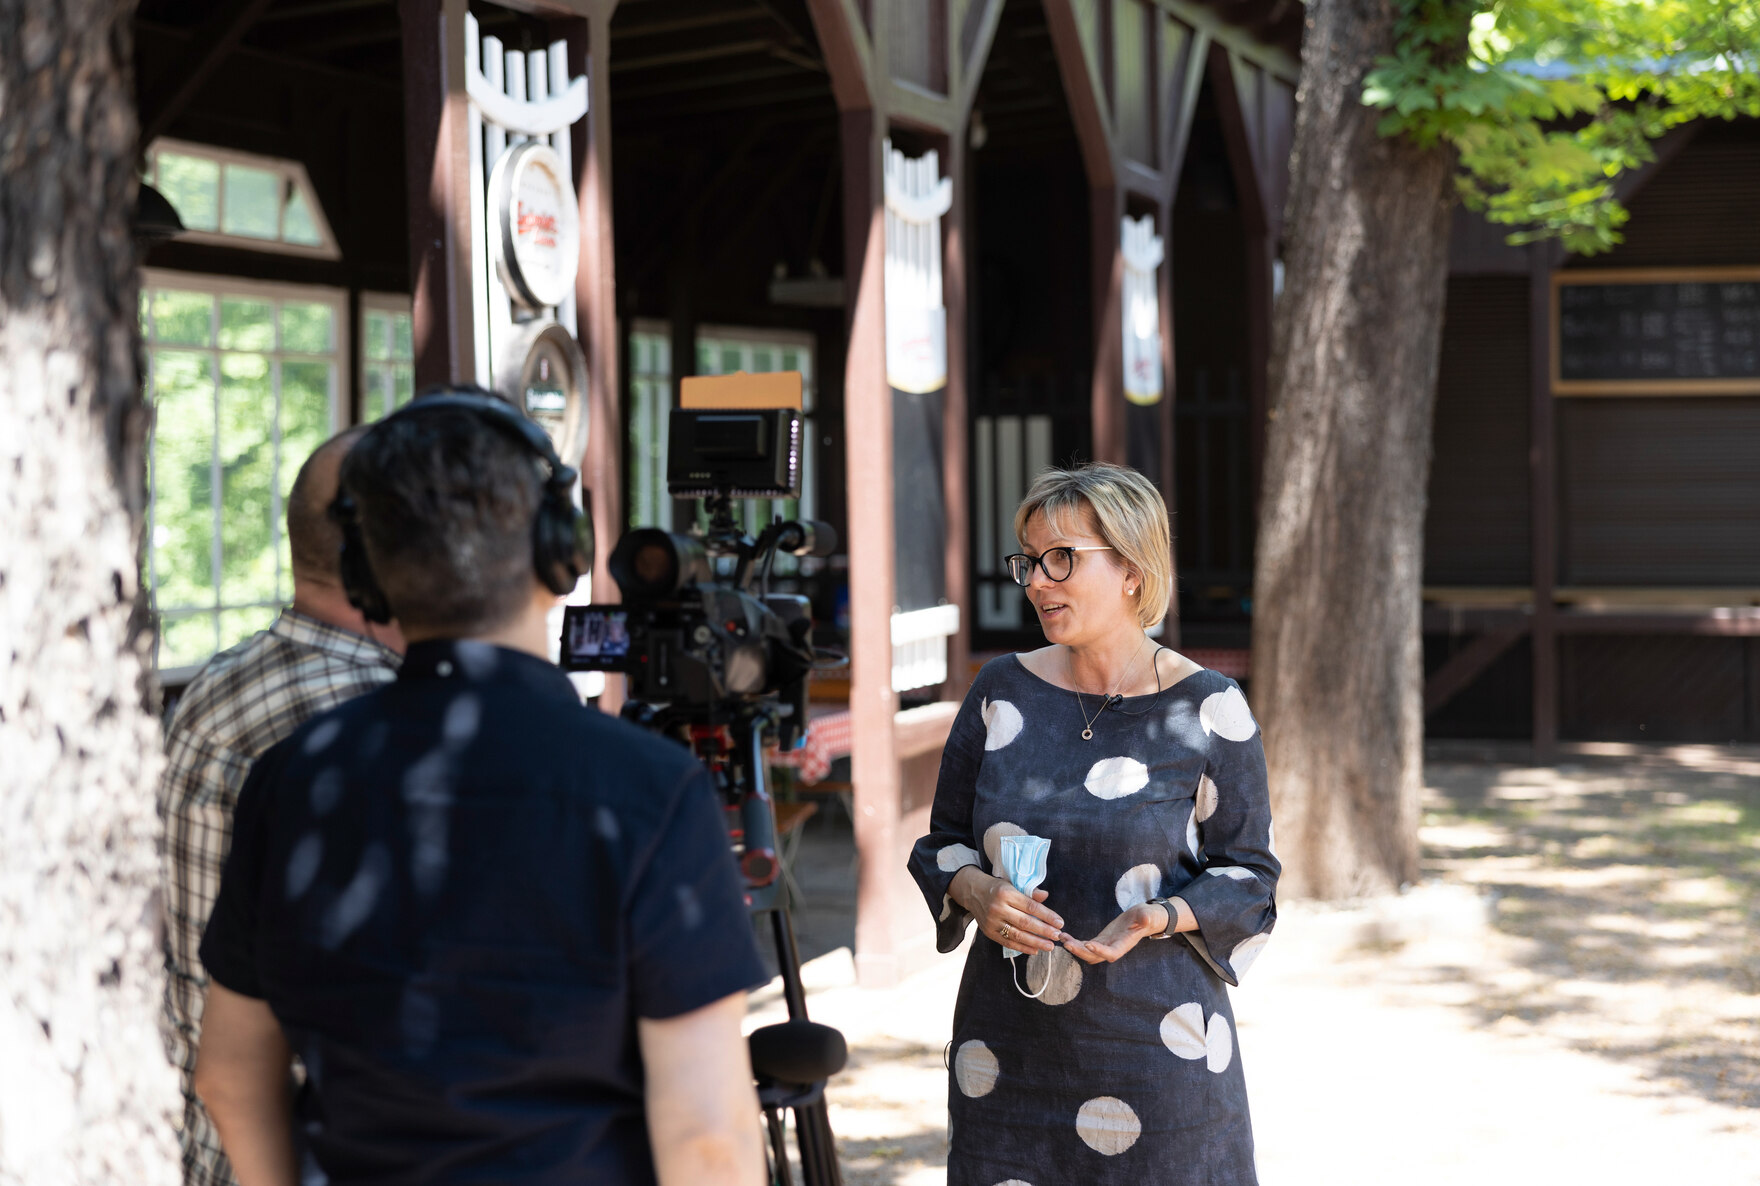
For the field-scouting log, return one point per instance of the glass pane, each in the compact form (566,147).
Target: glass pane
(183,489)
(247,477)
(146,321)
(663,357)
(731,360)
(378,343)
(183,318)
(706,359)
(403,384)
(305,415)
(297,223)
(791,361)
(184,642)
(375,392)
(192,186)
(763,359)
(253,201)
(236,625)
(403,336)
(246,324)
(305,328)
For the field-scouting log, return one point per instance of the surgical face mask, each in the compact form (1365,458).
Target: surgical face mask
(1022,859)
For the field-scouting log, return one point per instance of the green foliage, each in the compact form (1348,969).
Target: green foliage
(1546,102)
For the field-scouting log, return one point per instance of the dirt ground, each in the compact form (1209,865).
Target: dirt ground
(1572,995)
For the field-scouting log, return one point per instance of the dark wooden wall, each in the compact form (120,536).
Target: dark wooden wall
(1652,492)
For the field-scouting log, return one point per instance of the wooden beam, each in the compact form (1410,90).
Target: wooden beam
(1468,664)
(844,44)
(971,71)
(437,168)
(210,45)
(595,295)
(867,407)
(1542,499)
(1085,93)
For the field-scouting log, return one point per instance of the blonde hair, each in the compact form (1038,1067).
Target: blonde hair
(1125,510)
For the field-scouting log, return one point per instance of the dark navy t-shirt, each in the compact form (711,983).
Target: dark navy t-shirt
(458,893)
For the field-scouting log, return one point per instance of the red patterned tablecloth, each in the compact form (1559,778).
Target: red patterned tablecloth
(828,739)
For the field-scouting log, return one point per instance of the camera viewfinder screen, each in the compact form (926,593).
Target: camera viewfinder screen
(595,638)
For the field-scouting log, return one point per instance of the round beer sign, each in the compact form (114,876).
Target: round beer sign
(539,222)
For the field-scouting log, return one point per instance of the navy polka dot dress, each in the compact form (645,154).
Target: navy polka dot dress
(1122,1073)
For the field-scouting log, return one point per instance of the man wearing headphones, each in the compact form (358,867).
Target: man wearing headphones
(504,932)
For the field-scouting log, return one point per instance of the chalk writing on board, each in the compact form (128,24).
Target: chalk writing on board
(1658,331)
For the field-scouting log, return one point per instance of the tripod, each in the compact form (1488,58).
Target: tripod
(791,1060)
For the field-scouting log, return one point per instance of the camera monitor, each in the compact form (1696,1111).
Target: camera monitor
(595,638)
(736,435)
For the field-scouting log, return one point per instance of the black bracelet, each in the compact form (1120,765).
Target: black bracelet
(1172,917)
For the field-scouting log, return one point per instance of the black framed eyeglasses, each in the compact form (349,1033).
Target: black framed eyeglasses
(1058,563)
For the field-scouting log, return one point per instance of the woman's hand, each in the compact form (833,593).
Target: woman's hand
(1004,913)
(1120,935)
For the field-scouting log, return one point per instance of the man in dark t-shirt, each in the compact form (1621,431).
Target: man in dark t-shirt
(503,932)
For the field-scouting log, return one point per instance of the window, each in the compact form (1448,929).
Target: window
(722,351)
(650,410)
(388,354)
(238,200)
(243,381)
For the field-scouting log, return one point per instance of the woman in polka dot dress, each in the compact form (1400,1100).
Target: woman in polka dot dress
(1102,1056)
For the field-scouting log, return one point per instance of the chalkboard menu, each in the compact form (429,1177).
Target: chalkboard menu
(1656,332)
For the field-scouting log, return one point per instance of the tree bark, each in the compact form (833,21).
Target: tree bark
(1337,659)
(86,1092)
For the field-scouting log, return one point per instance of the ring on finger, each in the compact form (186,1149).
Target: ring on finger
(1007,932)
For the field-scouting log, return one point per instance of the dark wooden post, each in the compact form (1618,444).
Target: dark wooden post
(881,893)
(436,139)
(955,421)
(1543,501)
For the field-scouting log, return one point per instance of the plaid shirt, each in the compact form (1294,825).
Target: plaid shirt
(244,701)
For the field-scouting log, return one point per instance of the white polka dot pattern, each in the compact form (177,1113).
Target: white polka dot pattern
(975,1069)
(1002,723)
(1114,778)
(1219,1044)
(1138,885)
(1014,1182)
(955,857)
(1271,838)
(1232,872)
(1226,714)
(1206,803)
(1064,971)
(1108,1125)
(1192,841)
(1182,1030)
(993,840)
(1245,952)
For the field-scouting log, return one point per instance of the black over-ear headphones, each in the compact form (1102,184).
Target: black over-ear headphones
(562,537)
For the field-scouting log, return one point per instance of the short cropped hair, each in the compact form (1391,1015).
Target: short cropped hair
(1124,509)
(445,503)
(313,538)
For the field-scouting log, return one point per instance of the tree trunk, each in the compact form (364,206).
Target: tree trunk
(1337,659)
(86,1092)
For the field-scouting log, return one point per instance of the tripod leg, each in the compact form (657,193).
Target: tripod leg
(818,1149)
(779,1149)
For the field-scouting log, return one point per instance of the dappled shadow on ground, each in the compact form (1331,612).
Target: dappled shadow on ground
(1624,896)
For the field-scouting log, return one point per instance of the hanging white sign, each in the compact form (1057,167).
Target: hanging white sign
(916,320)
(538,224)
(1142,250)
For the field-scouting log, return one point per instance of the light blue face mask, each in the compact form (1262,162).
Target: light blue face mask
(1023,862)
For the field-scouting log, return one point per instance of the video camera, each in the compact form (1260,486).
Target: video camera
(717,661)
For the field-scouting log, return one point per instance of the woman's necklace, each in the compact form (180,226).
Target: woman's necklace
(1082,707)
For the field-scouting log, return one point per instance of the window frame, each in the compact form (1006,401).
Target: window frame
(217,288)
(289,170)
(379,302)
